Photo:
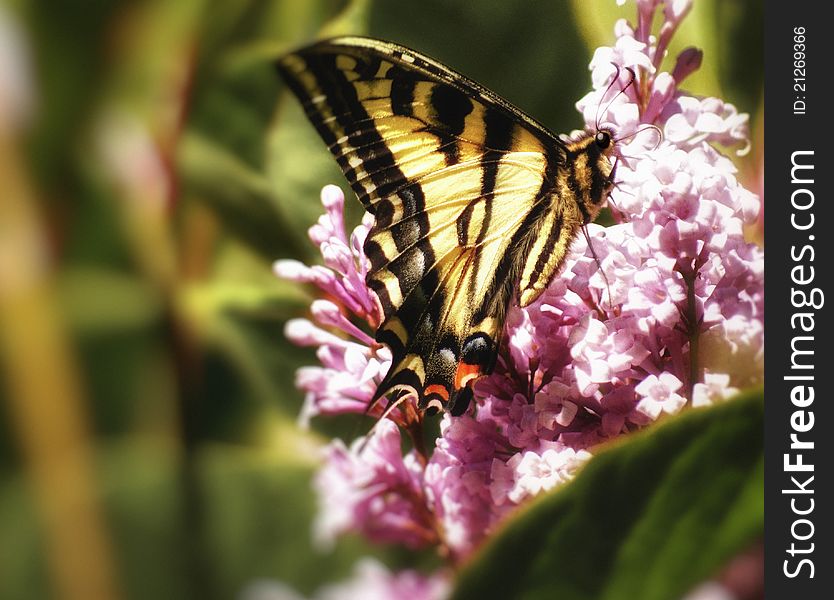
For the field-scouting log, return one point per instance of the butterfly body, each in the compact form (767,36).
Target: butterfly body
(475,203)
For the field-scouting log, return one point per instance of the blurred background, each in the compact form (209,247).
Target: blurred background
(151,169)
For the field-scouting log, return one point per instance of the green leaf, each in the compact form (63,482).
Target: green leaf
(231,113)
(69,70)
(22,547)
(244,330)
(241,196)
(352,20)
(739,40)
(649,518)
(122,302)
(235,83)
(202,527)
(298,164)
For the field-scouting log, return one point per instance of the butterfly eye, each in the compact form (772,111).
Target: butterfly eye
(603,139)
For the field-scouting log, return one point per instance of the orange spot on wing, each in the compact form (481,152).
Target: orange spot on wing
(437,389)
(466,373)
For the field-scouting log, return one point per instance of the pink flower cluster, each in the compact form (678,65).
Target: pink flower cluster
(669,313)
(350,369)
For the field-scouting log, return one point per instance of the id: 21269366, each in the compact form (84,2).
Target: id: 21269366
(799,70)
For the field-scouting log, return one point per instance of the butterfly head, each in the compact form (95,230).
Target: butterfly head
(590,170)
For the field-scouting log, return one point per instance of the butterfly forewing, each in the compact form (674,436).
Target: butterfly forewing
(464,190)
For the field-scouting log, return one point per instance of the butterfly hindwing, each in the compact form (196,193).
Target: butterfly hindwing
(463,187)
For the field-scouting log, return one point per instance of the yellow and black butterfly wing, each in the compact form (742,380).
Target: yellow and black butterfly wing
(463,189)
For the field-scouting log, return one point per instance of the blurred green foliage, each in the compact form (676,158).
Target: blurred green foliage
(167,169)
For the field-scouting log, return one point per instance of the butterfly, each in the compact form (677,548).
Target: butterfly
(475,204)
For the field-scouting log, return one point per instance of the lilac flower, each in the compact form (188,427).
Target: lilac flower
(370,581)
(374,487)
(659,395)
(350,370)
(458,477)
(716,387)
(668,313)
(528,473)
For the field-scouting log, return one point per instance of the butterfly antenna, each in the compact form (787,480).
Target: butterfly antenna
(599,265)
(605,93)
(388,410)
(641,130)
(617,95)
